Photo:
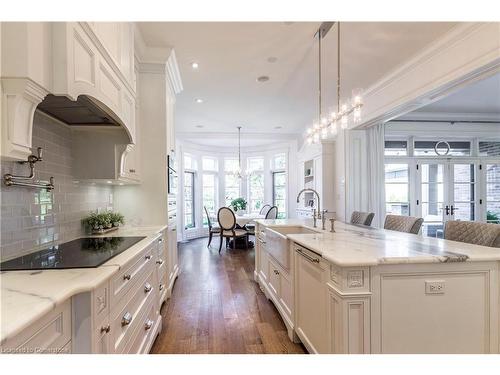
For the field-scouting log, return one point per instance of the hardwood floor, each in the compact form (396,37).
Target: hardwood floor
(217,307)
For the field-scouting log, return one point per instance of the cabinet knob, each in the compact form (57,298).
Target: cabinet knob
(106,329)
(161,287)
(126,319)
(131,170)
(148,257)
(276,272)
(160,240)
(126,277)
(159,261)
(148,325)
(147,288)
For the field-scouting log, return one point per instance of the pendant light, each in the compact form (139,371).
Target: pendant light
(344,110)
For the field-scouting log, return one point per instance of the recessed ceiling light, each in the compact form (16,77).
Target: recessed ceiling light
(199,126)
(194,65)
(199,100)
(263,79)
(272,59)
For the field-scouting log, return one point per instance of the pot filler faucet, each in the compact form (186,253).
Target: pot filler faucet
(317,214)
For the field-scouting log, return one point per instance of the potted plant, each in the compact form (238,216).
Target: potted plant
(239,205)
(103,222)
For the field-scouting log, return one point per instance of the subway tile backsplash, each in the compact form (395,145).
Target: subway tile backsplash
(33,218)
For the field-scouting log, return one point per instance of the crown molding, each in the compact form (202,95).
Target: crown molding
(174,76)
(467,53)
(451,116)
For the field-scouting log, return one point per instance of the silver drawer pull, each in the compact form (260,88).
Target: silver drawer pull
(160,240)
(309,258)
(159,261)
(148,324)
(131,170)
(148,257)
(126,277)
(147,288)
(276,272)
(106,329)
(161,287)
(127,318)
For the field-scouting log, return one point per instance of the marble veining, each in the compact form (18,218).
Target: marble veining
(357,246)
(26,296)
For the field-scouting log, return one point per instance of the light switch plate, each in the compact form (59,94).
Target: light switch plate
(434,286)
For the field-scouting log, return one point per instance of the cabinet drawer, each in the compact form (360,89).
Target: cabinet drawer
(101,302)
(50,334)
(126,317)
(126,278)
(142,336)
(274,278)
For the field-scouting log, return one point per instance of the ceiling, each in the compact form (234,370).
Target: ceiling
(482,97)
(232,55)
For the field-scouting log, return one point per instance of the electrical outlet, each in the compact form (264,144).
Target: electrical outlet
(434,287)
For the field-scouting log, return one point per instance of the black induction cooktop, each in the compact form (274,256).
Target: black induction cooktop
(80,253)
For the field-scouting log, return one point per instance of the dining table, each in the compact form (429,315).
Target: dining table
(244,219)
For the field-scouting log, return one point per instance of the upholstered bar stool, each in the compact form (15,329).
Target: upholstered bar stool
(362,218)
(473,232)
(407,224)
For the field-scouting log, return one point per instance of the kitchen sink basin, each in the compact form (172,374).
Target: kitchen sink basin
(278,245)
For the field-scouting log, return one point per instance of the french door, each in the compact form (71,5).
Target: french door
(447,190)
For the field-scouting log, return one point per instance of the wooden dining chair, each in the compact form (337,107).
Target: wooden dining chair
(227,224)
(264,209)
(212,229)
(272,213)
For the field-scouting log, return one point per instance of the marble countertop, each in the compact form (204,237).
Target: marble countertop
(26,296)
(353,245)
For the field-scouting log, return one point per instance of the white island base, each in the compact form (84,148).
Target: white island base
(372,291)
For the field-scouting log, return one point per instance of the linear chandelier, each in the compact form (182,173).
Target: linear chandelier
(324,125)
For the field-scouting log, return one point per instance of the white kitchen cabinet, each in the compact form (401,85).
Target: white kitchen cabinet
(101,338)
(51,334)
(274,282)
(311,310)
(162,261)
(173,259)
(87,61)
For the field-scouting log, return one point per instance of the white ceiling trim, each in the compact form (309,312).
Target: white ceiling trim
(451,116)
(469,52)
(174,76)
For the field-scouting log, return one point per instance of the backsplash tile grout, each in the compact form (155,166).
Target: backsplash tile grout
(33,218)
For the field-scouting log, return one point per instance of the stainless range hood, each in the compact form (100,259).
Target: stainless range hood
(83,112)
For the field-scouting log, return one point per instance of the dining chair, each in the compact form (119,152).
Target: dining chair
(362,218)
(227,224)
(407,224)
(473,232)
(212,229)
(272,213)
(264,209)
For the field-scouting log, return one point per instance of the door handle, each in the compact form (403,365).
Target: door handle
(453,209)
(447,210)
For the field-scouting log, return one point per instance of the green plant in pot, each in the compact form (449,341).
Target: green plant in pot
(105,220)
(239,205)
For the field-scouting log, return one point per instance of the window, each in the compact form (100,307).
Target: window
(493,193)
(396,148)
(209,189)
(209,164)
(279,161)
(189,200)
(231,181)
(396,189)
(426,148)
(189,162)
(279,193)
(255,168)
(489,148)
(464,191)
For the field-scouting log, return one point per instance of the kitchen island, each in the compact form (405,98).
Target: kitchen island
(365,290)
